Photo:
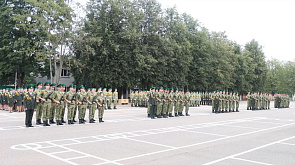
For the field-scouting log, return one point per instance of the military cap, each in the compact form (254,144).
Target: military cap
(100,92)
(75,86)
(47,83)
(40,83)
(52,84)
(59,85)
(110,89)
(82,86)
(187,90)
(71,85)
(104,88)
(98,88)
(30,86)
(151,87)
(115,89)
(154,87)
(176,88)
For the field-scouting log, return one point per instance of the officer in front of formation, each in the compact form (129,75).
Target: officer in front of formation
(29,105)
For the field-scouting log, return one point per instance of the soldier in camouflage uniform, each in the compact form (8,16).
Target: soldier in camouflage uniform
(57,98)
(109,98)
(37,93)
(115,98)
(53,105)
(82,103)
(101,104)
(187,102)
(132,97)
(45,97)
(160,98)
(70,98)
(170,103)
(92,101)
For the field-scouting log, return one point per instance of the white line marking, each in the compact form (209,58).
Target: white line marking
(78,157)
(58,152)
(251,161)
(234,126)
(264,122)
(204,133)
(162,145)
(196,144)
(287,144)
(251,150)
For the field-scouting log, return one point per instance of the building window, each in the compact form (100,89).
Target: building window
(65,73)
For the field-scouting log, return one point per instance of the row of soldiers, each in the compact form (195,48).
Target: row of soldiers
(50,104)
(167,102)
(10,98)
(281,100)
(225,101)
(140,98)
(258,101)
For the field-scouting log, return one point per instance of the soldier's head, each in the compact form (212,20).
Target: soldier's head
(82,88)
(104,89)
(30,88)
(39,85)
(47,85)
(93,90)
(99,89)
(52,86)
(60,87)
(22,89)
(115,89)
(101,94)
(18,89)
(171,90)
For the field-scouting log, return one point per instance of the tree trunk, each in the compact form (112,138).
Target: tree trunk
(50,68)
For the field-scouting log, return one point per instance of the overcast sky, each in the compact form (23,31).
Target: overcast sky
(270,22)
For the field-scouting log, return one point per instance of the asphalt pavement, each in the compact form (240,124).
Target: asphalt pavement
(128,137)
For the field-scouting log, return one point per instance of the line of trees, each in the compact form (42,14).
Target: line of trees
(131,43)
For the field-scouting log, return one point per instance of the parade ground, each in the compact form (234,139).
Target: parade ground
(128,137)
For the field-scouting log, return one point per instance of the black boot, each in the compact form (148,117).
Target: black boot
(176,115)
(45,123)
(159,116)
(73,120)
(110,108)
(69,122)
(100,120)
(57,122)
(51,121)
(165,116)
(180,114)
(37,122)
(187,114)
(91,121)
(148,115)
(81,121)
(131,105)
(115,107)
(60,123)
(170,115)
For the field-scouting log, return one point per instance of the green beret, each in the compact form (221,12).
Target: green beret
(74,86)
(171,88)
(176,88)
(52,84)
(110,89)
(30,86)
(115,89)
(99,88)
(100,92)
(161,88)
(47,83)
(153,87)
(39,83)
(59,85)
(82,86)
(104,88)
(71,85)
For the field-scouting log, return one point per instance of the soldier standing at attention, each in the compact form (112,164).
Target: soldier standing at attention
(29,105)
(176,104)
(39,104)
(81,101)
(132,99)
(248,101)
(104,91)
(187,102)
(165,103)
(152,102)
(53,105)
(92,101)
(237,98)
(1,95)
(115,98)
(216,102)
(10,97)
(57,98)
(101,104)
(170,102)
(46,103)
(109,98)
(136,98)
(18,99)
(159,97)
(70,98)
(147,96)
(5,99)
(181,102)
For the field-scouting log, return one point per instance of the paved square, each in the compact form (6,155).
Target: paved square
(128,137)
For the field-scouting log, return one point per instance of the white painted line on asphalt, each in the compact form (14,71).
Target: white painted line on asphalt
(82,153)
(162,145)
(287,143)
(251,150)
(251,161)
(234,126)
(58,152)
(78,157)
(263,122)
(205,142)
(204,133)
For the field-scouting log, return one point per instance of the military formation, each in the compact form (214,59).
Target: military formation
(165,102)
(258,101)
(51,104)
(12,99)
(281,100)
(224,101)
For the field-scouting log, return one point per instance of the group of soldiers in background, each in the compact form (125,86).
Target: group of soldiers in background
(140,98)
(49,103)
(281,100)
(11,99)
(258,101)
(167,102)
(224,101)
